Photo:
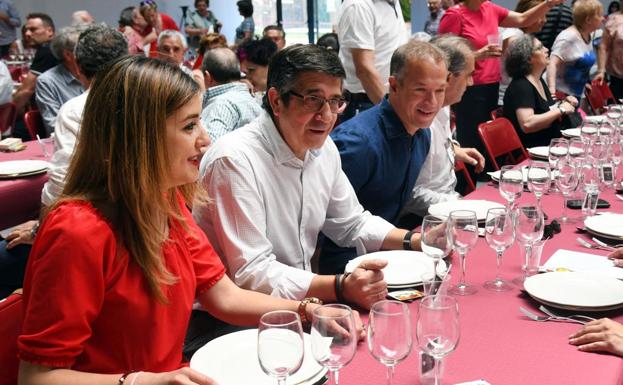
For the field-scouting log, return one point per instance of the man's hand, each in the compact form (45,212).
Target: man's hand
(366,284)
(602,335)
(21,234)
(470,156)
(617,257)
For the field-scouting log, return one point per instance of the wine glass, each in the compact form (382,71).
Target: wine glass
(567,181)
(511,184)
(500,235)
(616,153)
(280,348)
(558,149)
(389,334)
(539,179)
(588,131)
(529,225)
(437,328)
(333,337)
(462,233)
(577,150)
(434,241)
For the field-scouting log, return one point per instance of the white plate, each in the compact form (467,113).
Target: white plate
(571,132)
(404,268)
(541,152)
(19,167)
(608,225)
(598,119)
(576,290)
(232,359)
(480,207)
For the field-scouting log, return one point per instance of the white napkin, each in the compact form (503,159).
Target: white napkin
(576,261)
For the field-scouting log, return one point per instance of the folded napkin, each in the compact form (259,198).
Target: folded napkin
(577,261)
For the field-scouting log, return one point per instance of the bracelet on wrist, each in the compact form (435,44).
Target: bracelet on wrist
(406,241)
(303,306)
(123,378)
(339,287)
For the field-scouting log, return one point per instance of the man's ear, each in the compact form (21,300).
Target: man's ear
(393,84)
(276,103)
(207,78)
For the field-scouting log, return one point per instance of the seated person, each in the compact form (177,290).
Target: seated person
(537,118)
(383,148)
(172,47)
(254,56)
(113,276)
(602,335)
(277,182)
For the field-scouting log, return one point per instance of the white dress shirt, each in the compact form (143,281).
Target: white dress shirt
(66,133)
(269,206)
(437,180)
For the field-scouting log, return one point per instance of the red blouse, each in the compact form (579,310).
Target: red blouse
(88,307)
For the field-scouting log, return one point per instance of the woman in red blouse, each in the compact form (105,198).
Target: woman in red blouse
(118,260)
(156,23)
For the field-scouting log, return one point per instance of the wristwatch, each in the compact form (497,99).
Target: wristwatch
(406,241)
(33,231)
(562,112)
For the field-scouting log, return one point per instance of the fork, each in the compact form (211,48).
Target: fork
(588,245)
(573,316)
(541,318)
(604,244)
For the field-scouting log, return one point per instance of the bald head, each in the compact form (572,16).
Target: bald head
(221,65)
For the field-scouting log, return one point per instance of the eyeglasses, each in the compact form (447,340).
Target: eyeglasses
(538,47)
(315,103)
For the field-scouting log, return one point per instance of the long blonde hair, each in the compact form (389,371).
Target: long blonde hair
(121,160)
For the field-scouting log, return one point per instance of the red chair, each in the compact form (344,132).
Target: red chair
(16,73)
(598,96)
(7,117)
(500,138)
(34,124)
(497,113)
(10,327)
(459,169)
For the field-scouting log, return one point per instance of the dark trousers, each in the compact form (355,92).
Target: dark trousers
(4,50)
(616,86)
(12,267)
(474,108)
(357,104)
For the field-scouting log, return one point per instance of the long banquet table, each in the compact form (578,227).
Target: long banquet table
(20,198)
(498,343)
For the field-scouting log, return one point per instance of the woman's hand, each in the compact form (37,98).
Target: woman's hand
(470,156)
(566,107)
(600,77)
(21,234)
(602,335)
(183,376)
(366,284)
(489,50)
(571,100)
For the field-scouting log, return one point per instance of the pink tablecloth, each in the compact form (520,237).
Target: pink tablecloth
(20,198)
(499,344)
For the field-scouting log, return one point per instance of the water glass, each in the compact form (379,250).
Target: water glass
(463,235)
(389,334)
(529,226)
(558,149)
(591,198)
(533,260)
(539,179)
(333,337)
(511,184)
(577,150)
(437,328)
(280,347)
(588,132)
(500,235)
(567,181)
(434,241)
(434,284)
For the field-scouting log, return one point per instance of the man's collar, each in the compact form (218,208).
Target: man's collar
(392,123)
(278,147)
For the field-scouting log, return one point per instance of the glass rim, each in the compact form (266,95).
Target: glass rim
(392,302)
(265,316)
(334,306)
(448,300)
(463,213)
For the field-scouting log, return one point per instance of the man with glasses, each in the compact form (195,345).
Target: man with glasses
(277,182)
(383,149)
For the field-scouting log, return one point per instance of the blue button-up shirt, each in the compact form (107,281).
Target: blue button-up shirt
(7,30)
(382,161)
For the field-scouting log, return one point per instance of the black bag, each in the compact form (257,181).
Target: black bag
(572,120)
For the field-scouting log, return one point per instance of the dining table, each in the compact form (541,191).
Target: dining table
(499,344)
(20,197)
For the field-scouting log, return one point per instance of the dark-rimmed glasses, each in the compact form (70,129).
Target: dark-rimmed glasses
(314,103)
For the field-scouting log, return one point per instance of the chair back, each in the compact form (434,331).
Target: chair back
(497,113)
(34,124)
(7,117)
(11,309)
(461,170)
(598,96)
(500,139)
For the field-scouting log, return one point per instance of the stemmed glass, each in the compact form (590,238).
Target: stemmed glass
(577,150)
(616,152)
(588,131)
(280,348)
(434,241)
(539,179)
(529,225)
(567,181)
(333,337)
(389,334)
(462,233)
(511,184)
(558,149)
(437,328)
(500,235)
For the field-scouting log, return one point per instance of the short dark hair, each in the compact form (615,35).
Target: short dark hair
(45,18)
(125,18)
(97,46)
(289,63)
(413,50)
(329,42)
(455,48)
(222,64)
(274,27)
(245,7)
(518,56)
(258,51)
(205,1)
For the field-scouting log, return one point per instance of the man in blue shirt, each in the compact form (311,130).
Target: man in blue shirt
(382,149)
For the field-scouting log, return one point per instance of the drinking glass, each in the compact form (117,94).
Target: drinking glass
(616,153)
(463,235)
(437,328)
(511,184)
(529,224)
(577,150)
(389,334)
(500,235)
(614,113)
(434,241)
(588,131)
(539,179)
(567,181)
(558,149)
(333,337)
(280,346)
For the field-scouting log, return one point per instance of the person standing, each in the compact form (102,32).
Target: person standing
(436,12)
(369,31)
(9,22)
(246,29)
(557,20)
(200,22)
